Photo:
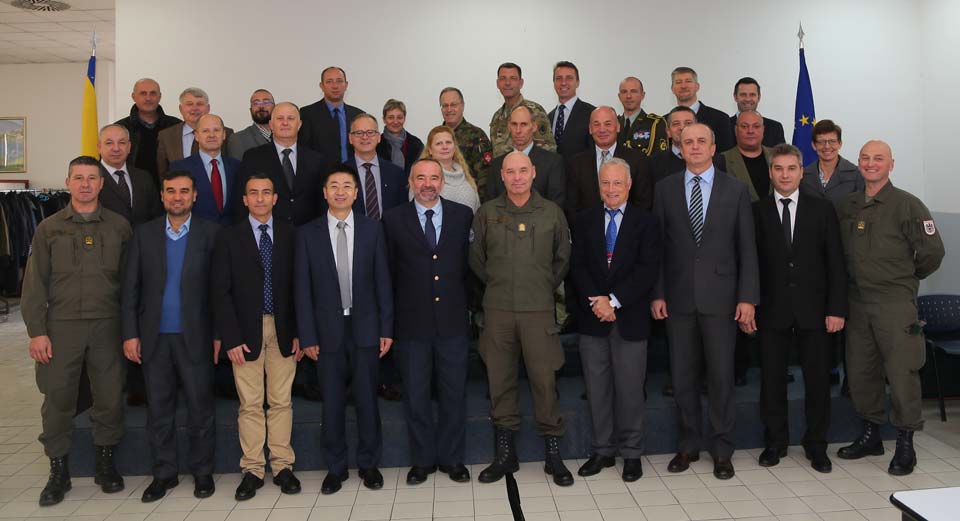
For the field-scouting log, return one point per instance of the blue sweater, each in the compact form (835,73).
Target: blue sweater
(170,307)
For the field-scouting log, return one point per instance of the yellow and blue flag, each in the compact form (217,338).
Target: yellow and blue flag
(89,127)
(804,116)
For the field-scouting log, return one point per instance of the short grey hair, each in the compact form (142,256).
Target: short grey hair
(616,161)
(195,92)
(114,125)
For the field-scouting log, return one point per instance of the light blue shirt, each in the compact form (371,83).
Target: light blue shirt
(186,140)
(184,229)
(256,228)
(526,150)
(695,107)
(437,216)
(706,186)
(208,166)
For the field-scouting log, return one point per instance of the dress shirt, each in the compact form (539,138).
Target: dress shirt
(676,151)
(706,185)
(293,154)
(182,232)
(526,150)
(255,224)
(612,150)
(606,222)
(332,226)
(696,106)
(795,197)
(113,173)
(628,119)
(375,168)
(344,125)
(437,216)
(566,113)
(208,166)
(264,131)
(187,140)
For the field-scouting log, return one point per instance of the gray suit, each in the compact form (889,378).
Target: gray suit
(244,140)
(702,285)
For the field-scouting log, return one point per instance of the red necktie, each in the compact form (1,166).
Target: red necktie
(217,185)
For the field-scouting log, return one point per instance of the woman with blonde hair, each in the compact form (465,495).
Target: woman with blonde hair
(458,185)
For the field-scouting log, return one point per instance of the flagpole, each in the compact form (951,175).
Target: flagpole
(800,35)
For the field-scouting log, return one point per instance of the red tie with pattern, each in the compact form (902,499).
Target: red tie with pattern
(217,184)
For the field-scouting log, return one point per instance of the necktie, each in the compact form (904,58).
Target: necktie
(785,217)
(343,265)
(343,134)
(195,147)
(611,237)
(430,230)
(558,131)
(216,184)
(604,156)
(696,210)
(370,193)
(124,188)
(266,259)
(288,172)
(625,130)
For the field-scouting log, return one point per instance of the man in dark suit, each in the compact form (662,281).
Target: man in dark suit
(382,183)
(427,241)
(549,181)
(570,119)
(213,172)
(614,264)
(670,161)
(326,122)
(252,295)
(258,133)
(685,86)
(127,190)
(350,319)
(179,141)
(145,122)
(747,95)
(167,326)
(708,284)
(803,297)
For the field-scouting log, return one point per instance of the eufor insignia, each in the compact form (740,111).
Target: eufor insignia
(929,228)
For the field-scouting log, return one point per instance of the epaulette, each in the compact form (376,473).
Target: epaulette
(651,115)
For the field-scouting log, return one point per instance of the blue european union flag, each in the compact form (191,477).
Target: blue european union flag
(804,116)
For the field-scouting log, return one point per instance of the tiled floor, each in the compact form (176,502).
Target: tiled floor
(854,491)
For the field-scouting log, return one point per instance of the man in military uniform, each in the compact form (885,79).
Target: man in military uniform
(71,307)
(509,82)
(471,139)
(891,243)
(521,250)
(639,129)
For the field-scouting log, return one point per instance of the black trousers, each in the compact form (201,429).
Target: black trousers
(171,363)
(814,347)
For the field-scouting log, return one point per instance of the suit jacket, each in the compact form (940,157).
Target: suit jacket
(665,163)
(550,181)
(393,187)
(237,278)
(170,146)
(630,276)
(583,181)
(206,205)
(733,165)
(146,198)
(146,277)
(719,122)
(845,180)
(576,131)
(808,281)
(772,131)
(299,206)
(430,286)
(412,148)
(711,277)
(320,318)
(321,132)
(248,138)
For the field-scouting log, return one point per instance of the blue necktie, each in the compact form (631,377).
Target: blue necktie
(341,122)
(266,258)
(611,237)
(558,131)
(430,230)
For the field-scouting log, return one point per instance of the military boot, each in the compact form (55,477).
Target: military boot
(553,463)
(868,444)
(505,460)
(107,477)
(905,457)
(58,484)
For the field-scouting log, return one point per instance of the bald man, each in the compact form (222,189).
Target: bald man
(213,170)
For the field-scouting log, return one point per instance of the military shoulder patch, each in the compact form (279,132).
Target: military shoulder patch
(487,157)
(929,227)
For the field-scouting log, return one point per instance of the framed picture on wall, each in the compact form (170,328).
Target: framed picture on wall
(13,144)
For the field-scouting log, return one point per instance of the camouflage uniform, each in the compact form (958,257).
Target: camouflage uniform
(477,152)
(500,131)
(647,133)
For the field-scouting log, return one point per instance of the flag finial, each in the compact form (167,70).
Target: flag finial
(800,35)
(93,43)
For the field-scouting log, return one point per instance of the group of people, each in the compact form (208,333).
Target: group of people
(312,240)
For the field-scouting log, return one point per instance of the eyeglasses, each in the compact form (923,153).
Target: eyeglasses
(362,133)
(264,103)
(829,142)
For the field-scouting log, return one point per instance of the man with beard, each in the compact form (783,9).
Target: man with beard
(144,123)
(257,134)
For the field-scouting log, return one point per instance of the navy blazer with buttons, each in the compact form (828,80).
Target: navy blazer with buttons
(206,206)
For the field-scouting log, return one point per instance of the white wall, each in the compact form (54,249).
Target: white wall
(51,97)
(863,62)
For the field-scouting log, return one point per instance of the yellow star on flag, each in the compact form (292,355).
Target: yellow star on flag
(804,121)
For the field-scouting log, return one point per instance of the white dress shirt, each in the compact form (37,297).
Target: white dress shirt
(113,173)
(293,154)
(794,197)
(566,113)
(334,232)
(612,150)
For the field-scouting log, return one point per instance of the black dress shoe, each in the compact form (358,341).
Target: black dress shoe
(248,487)
(682,461)
(158,488)
(595,464)
(771,456)
(372,478)
(458,472)
(819,460)
(632,469)
(390,393)
(288,483)
(723,468)
(418,475)
(333,482)
(203,486)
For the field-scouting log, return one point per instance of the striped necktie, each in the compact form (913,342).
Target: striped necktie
(696,210)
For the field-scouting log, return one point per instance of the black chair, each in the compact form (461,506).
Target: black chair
(941,313)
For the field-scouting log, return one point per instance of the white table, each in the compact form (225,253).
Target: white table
(935,504)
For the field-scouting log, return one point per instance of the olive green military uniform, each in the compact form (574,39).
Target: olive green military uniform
(522,254)
(477,152)
(500,130)
(71,293)
(647,132)
(890,242)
